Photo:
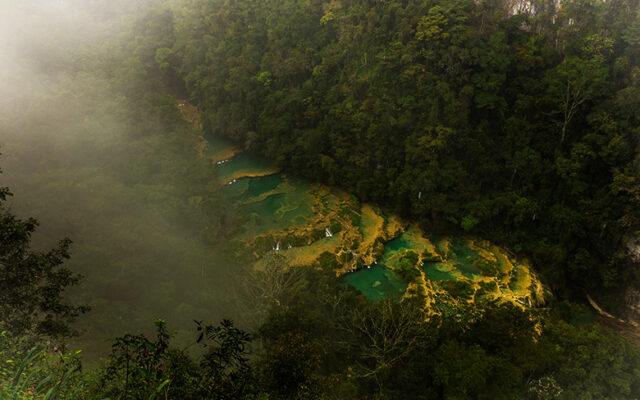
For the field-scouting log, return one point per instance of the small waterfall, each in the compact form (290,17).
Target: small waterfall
(327,232)
(277,246)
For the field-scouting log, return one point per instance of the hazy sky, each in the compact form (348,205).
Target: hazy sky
(75,160)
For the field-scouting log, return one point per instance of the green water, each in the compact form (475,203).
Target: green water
(261,185)
(248,188)
(239,187)
(402,242)
(376,283)
(464,258)
(289,205)
(438,272)
(242,163)
(396,248)
(460,262)
(275,202)
(278,211)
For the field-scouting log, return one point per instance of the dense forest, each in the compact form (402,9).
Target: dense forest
(513,122)
(320,341)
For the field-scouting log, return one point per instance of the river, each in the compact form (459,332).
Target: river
(303,221)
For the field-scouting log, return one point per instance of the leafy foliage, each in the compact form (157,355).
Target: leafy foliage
(139,368)
(39,372)
(520,128)
(32,283)
(407,267)
(514,125)
(335,345)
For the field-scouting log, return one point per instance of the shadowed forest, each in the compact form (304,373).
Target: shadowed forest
(319,199)
(517,128)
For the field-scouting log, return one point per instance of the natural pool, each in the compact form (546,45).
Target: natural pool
(439,272)
(377,283)
(243,165)
(270,202)
(368,244)
(277,211)
(463,257)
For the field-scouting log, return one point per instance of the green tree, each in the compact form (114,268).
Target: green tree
(32,283)
(572,83)
(139,368)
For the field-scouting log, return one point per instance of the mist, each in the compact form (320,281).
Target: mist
(96,152)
